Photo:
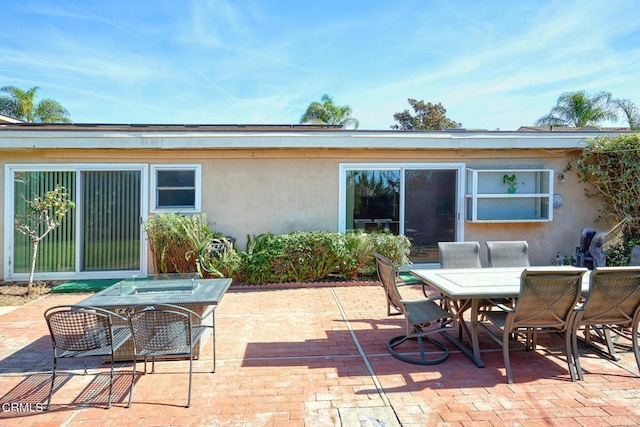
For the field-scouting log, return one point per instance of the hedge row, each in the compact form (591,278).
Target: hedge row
(177,241)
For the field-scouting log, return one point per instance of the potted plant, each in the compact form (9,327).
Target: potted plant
(511,181)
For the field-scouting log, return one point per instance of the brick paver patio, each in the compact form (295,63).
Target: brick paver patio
(310,355)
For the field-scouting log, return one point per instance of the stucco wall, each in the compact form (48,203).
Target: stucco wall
(249,192)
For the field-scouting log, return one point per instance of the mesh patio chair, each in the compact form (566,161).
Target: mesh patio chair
(613,302)
(78,331)
(545,304)
(459,255)
(403,282)
(418,314)
(462,255)
(508,254)
(164,331)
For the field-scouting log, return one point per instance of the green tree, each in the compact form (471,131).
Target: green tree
(22,105)
(630,112)
(580,109)
(327,113)
(44,214)
(611,167)
(427,117)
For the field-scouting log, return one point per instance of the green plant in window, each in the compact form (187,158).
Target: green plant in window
(511,181)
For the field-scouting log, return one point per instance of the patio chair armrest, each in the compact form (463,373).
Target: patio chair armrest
(415,281)
(501,306)
(419,301)
(102,311)
(164,306)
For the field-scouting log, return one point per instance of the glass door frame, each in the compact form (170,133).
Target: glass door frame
(459,168)
(78,168)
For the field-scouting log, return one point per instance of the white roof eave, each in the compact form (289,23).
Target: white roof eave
(29,139)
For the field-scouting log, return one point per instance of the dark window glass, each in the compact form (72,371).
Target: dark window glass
(176,189)
(176,178)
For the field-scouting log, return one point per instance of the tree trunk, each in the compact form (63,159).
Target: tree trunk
(33,265)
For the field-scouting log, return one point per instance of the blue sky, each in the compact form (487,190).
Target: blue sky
(492,64)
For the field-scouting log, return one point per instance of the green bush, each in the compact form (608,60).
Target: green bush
(316,255)
(619,255)
(176,241)
(610,165)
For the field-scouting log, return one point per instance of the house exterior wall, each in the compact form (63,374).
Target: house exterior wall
(247,192)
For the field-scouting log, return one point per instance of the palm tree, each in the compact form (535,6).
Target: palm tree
(20,104)
(630,110)
(579,109)
(327,113)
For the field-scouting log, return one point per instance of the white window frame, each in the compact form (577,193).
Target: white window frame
(197,190)
(9,187)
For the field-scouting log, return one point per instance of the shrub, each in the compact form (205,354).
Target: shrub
(316,255)
(176,241)
(611,166)
(357,254)
(620,254)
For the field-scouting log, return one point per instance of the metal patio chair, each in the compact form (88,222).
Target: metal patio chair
(78,331)
(399,283)
(419,314)
(459,255)
(508,253)
(545,303)
(165,330)
(462,255)
(613,305)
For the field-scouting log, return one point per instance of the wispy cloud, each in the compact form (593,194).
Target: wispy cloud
(492,64)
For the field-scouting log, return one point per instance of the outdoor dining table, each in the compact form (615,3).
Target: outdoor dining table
(466,288)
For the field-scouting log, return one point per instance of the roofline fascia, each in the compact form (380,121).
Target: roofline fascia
(23,138)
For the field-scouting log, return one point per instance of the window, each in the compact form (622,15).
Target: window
(420,201)
(175,188)
(100,237)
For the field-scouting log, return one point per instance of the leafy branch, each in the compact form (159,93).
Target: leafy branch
(43,215)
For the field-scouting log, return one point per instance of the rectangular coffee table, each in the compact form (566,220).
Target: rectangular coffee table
(199,295)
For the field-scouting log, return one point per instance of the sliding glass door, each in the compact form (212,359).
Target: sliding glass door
(101,236)
(110,223)
(429,211)
(420,201)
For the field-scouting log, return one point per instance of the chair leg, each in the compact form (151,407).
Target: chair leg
(607,337)
(53,380)
(574,346)
(398,340)
(569,352)
(190,375)
(213,339)
(133,379)
(505,355)
(636,346)
(110,383)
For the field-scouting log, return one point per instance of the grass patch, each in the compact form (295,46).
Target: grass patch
(83,286)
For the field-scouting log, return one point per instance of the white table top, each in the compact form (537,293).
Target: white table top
(470,283)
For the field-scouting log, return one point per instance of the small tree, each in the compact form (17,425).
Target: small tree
(427,117)
(43,215)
